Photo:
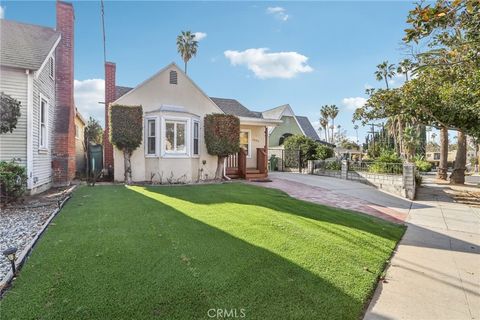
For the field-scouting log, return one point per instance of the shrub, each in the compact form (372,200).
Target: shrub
(9,113)
(13,180)
(309,149)
(387,162)
(126,132)
(333,165)
(323,152)
(421,164)
(222,138)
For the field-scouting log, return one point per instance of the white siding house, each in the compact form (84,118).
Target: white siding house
(27,63)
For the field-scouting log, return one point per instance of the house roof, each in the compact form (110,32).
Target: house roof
(120,91)
(307,127)
(233,107)
(278,112)
(24,45)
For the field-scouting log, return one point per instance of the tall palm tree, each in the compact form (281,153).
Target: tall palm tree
(385,71)
(404,67)
(187,46)
(324,124)
(355,127)
(324,115)
(333,112)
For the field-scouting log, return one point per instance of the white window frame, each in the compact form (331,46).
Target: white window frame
(195,121)
(157,134)
(188,126)
(249,151)
(44,146)
(51,65)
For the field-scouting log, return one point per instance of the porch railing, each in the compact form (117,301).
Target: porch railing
(262,160)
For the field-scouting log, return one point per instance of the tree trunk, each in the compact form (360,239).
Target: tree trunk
(127,174)
(326,134)
(220,166)
(458,174)
(185,67)
(443,165)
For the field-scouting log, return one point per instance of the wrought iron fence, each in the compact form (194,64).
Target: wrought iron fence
(331,168)
(376,167)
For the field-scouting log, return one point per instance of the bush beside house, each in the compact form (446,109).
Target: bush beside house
(222,134)
(126,132)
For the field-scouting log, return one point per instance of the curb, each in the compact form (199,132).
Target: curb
(23,256)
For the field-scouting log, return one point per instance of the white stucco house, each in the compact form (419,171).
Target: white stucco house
(173,147)
(27,65)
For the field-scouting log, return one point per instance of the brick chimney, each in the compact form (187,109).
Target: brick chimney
(110,95)
(63,155)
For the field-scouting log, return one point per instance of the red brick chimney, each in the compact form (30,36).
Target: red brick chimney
(110,96)
(63,155)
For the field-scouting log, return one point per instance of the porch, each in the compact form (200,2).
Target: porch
(251,162)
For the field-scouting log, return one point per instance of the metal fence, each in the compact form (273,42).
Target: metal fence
(286,160)
(376,167)
(331,168)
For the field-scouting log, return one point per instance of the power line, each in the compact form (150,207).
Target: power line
(103,29)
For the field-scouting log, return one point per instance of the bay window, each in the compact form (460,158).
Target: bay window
(151,129)
(195,138)
(175,136)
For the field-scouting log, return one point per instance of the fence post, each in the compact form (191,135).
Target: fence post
(299,161)
(344,169)
(310,166)
(409,180)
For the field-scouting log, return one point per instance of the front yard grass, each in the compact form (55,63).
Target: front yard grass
(118,252)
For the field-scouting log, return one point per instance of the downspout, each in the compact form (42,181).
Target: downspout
(29,129)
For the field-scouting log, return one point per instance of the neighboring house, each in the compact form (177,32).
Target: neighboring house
(173,148)
(291,125)
(80,124)
(434,157)
(33,59)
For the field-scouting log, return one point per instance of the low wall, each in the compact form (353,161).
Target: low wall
(400,184)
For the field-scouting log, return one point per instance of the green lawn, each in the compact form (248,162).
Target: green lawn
(176,252)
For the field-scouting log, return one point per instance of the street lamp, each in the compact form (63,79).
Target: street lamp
(10,255)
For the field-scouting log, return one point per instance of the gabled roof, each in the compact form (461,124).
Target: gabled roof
(120,91)
(24,45)
(233,107)
(279,112)
(307,127)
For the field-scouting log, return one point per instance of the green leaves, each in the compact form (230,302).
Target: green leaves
(126,127)
(222,134)
(9,113)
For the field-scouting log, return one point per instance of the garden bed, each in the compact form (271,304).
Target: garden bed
(20,222)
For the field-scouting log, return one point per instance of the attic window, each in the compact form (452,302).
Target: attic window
(173,77)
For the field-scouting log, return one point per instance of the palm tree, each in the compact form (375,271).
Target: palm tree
(324,115)
(333,112)
(187,46)
(404,67)
(355,127)
(385,71)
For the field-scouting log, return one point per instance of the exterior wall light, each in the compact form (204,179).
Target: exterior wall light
(10,254)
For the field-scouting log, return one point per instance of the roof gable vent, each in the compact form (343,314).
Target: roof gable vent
(173,77)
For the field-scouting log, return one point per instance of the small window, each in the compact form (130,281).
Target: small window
(151,137)
(195,137)
(175,137)
(52,67)
(43,122)
(436,156)
(173,77)
(245,141)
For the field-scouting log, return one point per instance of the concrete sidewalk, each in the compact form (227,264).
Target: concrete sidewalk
(435,272)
